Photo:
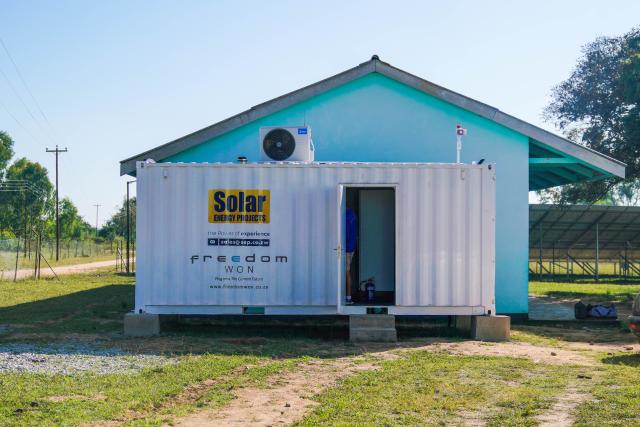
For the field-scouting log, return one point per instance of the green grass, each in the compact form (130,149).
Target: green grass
(616,394)
(85,303)
(424,388)
(32,399)
(418,388)
(150,397)
(596,292)
(95,303)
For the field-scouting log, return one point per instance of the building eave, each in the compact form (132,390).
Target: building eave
(561,145)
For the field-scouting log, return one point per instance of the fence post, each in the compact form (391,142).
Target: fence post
(597,252)
(540,247)
(553,262)
(15,272)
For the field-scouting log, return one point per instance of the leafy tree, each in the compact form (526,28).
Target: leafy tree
(599,106)
(35,206)
(116,226)
(72,225)
(22,209)
(6,151)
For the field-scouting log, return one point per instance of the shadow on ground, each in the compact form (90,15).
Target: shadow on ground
(97,310)
(95,317)
(632,360)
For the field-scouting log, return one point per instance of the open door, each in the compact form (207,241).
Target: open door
(339,247)
(373,246)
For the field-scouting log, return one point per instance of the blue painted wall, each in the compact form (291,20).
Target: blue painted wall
(376,119)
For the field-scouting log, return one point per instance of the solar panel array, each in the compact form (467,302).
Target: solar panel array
(578,229)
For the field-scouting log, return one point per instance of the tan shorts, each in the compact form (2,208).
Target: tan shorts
(349,259)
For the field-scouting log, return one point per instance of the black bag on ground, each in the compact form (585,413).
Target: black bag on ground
(580,310)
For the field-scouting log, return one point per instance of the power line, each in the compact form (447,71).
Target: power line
(26,107)
(24,83)
(4,107)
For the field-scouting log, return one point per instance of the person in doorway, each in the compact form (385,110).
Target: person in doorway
(352,244)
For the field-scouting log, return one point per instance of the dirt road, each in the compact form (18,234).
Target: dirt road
(27,273)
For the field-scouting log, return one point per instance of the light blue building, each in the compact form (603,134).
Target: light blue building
(378,113)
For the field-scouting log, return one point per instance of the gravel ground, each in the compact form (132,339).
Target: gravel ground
(74,359)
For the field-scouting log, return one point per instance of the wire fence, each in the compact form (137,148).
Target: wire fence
(20,258)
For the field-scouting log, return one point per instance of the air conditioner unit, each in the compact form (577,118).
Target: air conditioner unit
(286,144)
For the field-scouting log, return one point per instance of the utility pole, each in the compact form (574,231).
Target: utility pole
(128,225)
(97,208)
(56,152)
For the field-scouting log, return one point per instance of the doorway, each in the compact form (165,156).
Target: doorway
(370,267)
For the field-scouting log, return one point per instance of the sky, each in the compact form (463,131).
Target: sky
(111,79)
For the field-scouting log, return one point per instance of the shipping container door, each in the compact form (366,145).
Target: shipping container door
(339,246)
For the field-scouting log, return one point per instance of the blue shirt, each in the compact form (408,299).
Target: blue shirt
(352,231)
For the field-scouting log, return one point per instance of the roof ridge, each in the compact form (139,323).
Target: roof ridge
(376,65)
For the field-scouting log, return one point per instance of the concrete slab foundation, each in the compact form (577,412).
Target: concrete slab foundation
(491,328)
(141,324)
(372,328)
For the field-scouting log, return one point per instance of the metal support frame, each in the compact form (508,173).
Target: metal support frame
(540,247)
(597,252)
(128,227)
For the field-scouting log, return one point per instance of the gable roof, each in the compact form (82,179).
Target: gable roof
(556,160)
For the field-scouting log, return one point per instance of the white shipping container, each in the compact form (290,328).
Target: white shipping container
(270,238)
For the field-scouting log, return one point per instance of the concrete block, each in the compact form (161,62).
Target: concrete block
(373,335)
(491,328)
(141,324)
(372,321)
(463,323)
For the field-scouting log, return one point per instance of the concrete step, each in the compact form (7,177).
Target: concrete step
(141,324)
(372,321)
(491,328)
(373,334)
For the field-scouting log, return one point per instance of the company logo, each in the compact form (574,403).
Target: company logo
(302,131)
(234,263)
(237,258)
(239,206)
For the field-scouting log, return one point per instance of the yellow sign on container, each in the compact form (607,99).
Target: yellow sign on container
(239,206)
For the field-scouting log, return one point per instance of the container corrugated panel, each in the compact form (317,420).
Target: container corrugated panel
(445,236)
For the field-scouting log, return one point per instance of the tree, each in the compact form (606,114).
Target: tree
(116,226)
(599,106)
(72,225)
(22,209)
(34,206)
(6,151)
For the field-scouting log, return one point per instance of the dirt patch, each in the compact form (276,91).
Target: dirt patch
(473,419)
(585,335)
(537,354)
(66,269)
(286,399)
(562,412)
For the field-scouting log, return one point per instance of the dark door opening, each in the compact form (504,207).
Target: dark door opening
(370,246)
